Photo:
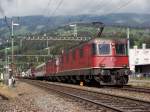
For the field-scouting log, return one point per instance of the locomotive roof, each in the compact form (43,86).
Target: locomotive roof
(97,40)
(41,65)
(101,40)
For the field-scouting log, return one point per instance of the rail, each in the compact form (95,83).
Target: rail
(115,103)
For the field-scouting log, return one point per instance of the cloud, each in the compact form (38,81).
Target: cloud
(2,7)
(71,7)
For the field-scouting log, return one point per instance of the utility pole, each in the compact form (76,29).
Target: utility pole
(75,30)
(128,46)
(47,43)
(21,43)
(48,50)
(6,58)
(12,41)
(6,76)
(128,38)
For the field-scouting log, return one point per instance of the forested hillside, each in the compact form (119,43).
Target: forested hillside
(36,24)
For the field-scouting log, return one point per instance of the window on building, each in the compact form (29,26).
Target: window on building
(104,48)
(146,52)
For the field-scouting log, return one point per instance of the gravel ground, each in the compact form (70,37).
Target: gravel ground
(29,98)
(1,98)
(140,96)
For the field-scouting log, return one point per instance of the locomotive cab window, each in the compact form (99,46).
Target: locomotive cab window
(94,49)
(104,49)
(121,49)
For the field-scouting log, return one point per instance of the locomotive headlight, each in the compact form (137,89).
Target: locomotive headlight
(102,65)
(125,65)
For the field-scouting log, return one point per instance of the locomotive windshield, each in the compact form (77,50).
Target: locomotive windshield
(121,49)
(104,49)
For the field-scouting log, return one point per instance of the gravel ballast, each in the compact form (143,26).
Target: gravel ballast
(28,98)
(117,92)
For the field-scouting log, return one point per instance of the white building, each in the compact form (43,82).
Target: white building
(139,59)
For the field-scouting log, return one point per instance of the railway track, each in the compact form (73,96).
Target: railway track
(136,89)
(111,102)
(133,89)
(2,97)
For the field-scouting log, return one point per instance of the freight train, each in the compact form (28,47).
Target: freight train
(104,61)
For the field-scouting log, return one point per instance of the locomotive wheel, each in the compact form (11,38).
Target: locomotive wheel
(73,80)
(122,81)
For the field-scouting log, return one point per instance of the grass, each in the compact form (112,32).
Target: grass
(140,82)
(141,78)
(7,91)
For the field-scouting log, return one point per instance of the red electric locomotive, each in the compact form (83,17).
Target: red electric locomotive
(99,60)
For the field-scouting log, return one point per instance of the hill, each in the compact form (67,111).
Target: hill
(36,24)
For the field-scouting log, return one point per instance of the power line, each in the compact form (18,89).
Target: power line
(7,24)
(101,4)
(46,9)
(54,12)
(48,5)
(121,6)
(54,2)
(59,4)
(126,4)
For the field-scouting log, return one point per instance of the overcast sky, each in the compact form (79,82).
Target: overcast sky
(71,7)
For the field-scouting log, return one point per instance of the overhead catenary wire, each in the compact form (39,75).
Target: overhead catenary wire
(55,10)
(60,3)
(120,7)
(89,4)
(102,4)
(45,11)
(52,10)
(99,5)
(7,24)
(54,5)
